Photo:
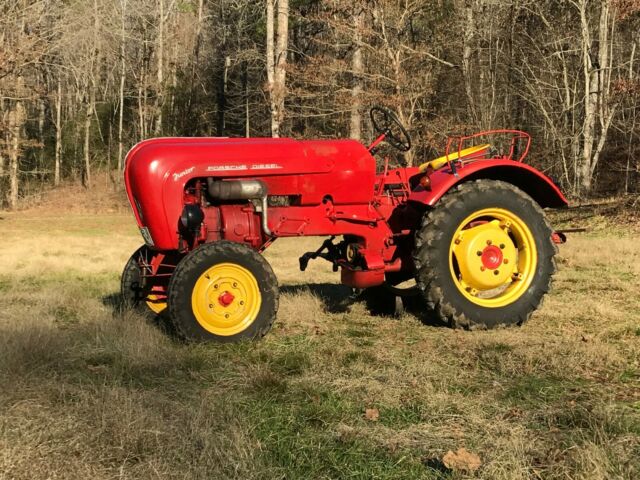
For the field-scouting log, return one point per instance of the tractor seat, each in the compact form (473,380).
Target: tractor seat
(477,151)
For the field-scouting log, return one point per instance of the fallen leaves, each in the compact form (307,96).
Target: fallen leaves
(462,461)
(372,414)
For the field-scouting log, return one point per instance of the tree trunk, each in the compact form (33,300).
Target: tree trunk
(56,170)
(123,5)
(597,83)
(86,172)
(42,111)
(469,28)
(632,126)
(160,54)
(16,122)
(357,67)
(193,94)
(606,109)
(271,67)
(590,78)
(141,115)
(222,96)
(247,117)
(282,46)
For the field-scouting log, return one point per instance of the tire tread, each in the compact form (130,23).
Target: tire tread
(426,251)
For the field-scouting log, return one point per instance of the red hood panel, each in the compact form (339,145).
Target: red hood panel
(157,170)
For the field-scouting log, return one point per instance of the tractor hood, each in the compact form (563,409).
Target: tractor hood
(157,170)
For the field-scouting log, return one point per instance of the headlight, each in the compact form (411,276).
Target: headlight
(191,217)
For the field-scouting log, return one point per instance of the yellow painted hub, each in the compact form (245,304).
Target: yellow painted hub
(226,299)
(493,257)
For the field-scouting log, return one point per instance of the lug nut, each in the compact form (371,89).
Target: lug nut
(226,315)
(210,305)
(489,242)
(241,302)
(496,272)
(502,246)
(482,269)
(479,253)
(235,284)
(506,260)
(215,286)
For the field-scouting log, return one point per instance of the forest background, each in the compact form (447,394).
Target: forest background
(81,81)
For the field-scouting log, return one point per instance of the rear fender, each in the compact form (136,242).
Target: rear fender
(531,181)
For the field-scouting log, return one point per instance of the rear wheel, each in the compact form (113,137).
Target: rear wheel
(484,256)
(224,292)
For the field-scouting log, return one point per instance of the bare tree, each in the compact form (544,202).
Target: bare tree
(58,146)
(123,78)
(70,74)
(16,123)
(276,51)
(357,66)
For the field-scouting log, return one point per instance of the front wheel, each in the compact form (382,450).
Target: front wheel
(224,292)
(484,256)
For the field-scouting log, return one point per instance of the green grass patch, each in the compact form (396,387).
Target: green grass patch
(630,375)
(291,363)
(358,356)
(301,437)
(410,413)
(354,332)
(534,391)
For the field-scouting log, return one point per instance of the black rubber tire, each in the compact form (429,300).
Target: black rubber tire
(431,255)
(192,266)
(130,285)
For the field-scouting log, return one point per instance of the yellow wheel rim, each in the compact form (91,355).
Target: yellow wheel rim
(493,257)
(226,299)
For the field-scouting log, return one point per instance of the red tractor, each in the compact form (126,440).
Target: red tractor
(468,227)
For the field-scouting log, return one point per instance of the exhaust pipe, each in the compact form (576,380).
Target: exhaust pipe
(241,190)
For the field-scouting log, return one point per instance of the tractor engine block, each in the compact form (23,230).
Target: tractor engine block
(234,222)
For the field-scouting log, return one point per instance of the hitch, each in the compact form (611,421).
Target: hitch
(332,255)
(560,236)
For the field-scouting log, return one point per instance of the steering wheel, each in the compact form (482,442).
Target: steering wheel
(386,123)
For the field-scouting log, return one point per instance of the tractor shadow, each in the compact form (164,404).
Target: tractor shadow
(338,298)
(335,298)
(116,303)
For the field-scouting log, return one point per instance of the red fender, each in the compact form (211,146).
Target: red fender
(533,182)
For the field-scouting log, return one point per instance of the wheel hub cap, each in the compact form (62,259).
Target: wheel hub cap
(492,257)
(226,299)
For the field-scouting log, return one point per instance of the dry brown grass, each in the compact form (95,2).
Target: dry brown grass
(88,391)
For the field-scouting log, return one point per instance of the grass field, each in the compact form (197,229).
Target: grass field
(89,391)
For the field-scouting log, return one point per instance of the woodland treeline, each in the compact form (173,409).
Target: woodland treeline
(81,81)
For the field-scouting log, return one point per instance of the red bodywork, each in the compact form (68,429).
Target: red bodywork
(314,188)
